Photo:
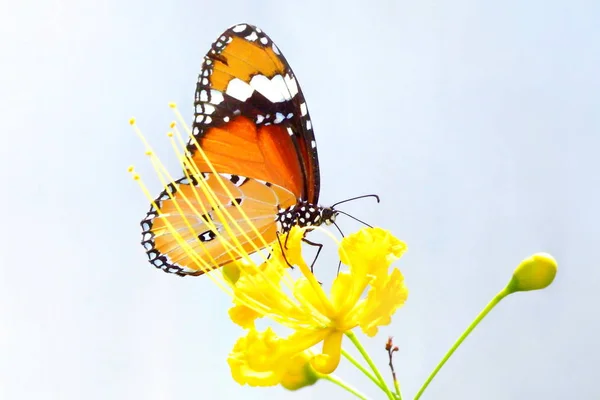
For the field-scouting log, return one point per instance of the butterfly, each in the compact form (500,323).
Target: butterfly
(253,125)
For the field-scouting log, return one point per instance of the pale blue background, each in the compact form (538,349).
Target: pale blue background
(476,121)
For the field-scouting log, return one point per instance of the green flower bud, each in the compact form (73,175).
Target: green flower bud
(534,273)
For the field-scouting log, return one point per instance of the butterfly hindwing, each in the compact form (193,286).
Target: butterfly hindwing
(183,208)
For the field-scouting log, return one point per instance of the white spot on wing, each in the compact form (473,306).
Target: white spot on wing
(241,181)
(239,28)
(209,109)
(290,82)
(276,49)
(203,95)
(264,40)
(252,37)
(303,109)
(239,89)
(290,131)
(279,117)
(274,89)
(313,144)
(308,126)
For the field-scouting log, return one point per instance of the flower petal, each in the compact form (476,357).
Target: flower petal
(243,316)
(255,359)
(312,299)
(370,251)
(329,360)
(381,303)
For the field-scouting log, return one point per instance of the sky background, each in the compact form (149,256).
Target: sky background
(477,123)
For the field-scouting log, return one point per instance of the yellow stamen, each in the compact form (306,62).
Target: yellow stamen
(235,251)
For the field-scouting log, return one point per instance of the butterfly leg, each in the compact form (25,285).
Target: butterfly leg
(287,236)
(319,245)
(281,246)
(341,233)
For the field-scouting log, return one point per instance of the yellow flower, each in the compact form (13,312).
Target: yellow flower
(313,315)
(365,296)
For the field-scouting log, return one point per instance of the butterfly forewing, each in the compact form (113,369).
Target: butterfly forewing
(247,88)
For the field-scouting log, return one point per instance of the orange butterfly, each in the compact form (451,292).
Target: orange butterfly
(252,123)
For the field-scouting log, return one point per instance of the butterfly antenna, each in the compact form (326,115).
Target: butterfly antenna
(354,218)
(356,198)
(338,228)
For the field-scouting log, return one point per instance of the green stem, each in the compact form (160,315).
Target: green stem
(361,368)
(369,361)
(334,379)
(462,337)
(397,387)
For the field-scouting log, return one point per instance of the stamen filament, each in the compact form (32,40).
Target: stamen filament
(213,170)
(222,214)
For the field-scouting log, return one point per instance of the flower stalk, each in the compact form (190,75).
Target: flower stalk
(352,336)
(337,381)
(534,273)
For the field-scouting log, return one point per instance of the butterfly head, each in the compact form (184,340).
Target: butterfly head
(328,215)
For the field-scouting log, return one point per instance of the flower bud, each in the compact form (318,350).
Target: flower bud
(534,273)
(231,272)
(299,373)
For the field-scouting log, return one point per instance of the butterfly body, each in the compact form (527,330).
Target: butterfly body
(304,214)
(252,125)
